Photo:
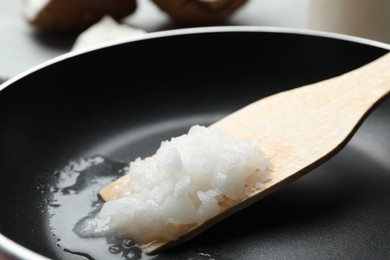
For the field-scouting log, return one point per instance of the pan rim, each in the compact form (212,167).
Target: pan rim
(198,30)
(19,251)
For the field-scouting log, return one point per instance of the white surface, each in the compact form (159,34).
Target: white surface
(22,47)
(31,8)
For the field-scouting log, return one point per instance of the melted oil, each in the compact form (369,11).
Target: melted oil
(71,197)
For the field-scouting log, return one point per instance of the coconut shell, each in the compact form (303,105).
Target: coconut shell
(78,15)
(199,12)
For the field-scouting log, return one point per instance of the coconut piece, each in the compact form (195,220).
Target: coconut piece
(199,12)
(106,30)
(73,15)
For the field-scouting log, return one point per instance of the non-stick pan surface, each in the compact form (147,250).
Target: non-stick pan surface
(119,102)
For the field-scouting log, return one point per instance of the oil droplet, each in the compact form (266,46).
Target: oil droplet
(127,243)
(115,249)
(71,198)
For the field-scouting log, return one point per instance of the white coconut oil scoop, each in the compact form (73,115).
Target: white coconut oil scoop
(299,129)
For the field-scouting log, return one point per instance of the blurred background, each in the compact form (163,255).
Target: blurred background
(24,45)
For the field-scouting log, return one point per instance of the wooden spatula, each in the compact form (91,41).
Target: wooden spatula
(299,130)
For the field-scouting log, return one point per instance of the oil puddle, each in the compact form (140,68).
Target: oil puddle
(72,197)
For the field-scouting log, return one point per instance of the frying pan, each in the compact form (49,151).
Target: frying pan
(117,102)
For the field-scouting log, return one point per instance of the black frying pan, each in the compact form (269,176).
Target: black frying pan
(119,102)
